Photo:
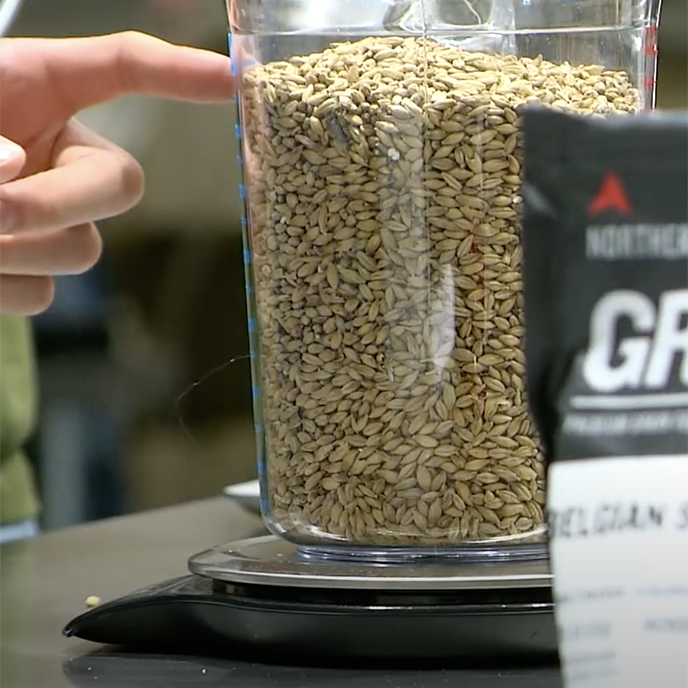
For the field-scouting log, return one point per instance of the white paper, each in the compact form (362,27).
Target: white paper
(619,547)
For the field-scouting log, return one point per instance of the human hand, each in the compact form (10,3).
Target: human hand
(56,176)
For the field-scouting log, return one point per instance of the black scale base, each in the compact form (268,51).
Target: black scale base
(351,618)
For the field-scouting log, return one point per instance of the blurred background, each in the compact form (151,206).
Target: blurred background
(145,388)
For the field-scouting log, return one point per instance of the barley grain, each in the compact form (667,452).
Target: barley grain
(384,202)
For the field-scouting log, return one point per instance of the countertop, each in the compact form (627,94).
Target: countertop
(44,583)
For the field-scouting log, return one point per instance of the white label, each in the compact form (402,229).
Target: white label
(619,548)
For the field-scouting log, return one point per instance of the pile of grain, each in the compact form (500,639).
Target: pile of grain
(383,189)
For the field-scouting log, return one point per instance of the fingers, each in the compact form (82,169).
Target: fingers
(70,251)
(12,159)
(92,180)
(19,295)
(25,295)
(88,71)
(29,261)
(46,220)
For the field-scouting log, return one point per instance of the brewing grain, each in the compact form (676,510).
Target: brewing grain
(384,198)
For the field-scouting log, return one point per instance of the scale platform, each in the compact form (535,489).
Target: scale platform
(263,597)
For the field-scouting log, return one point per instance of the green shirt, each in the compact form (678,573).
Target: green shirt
(18,498)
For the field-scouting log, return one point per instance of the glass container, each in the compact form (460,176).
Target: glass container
(381,153)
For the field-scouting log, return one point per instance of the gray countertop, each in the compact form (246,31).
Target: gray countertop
(44,583)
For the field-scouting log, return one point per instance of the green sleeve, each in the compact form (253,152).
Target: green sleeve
(18,499)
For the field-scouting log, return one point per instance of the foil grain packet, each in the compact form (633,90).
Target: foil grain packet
(605,240)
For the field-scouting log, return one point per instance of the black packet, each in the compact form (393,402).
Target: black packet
(605,252)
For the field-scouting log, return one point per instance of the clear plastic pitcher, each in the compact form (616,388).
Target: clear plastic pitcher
(381,153)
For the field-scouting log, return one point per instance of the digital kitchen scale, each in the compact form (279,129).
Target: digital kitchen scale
(264,597)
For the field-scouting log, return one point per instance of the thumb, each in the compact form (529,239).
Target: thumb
(12,160)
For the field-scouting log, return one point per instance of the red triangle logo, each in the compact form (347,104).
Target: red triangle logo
(611,196)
